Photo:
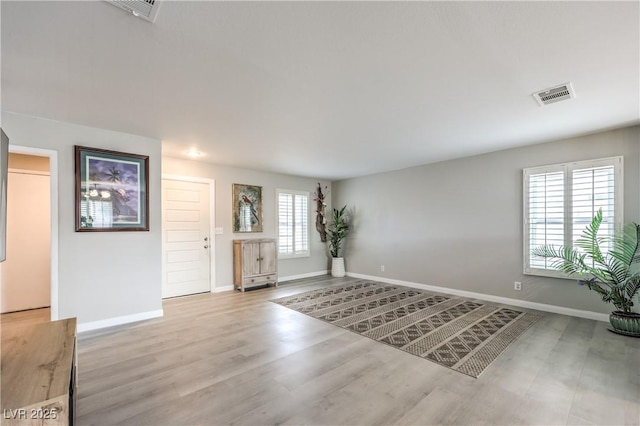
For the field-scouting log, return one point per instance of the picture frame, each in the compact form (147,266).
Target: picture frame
(112,190)
(247,208)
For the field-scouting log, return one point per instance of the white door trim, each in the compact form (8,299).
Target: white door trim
(53,174)
(212,221)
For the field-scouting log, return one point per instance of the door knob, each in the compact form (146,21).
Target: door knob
(206,238)
(206,246)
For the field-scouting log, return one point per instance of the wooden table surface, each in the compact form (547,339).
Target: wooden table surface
(36,363)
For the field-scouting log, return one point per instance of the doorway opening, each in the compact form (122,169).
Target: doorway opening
(26,273)
(29,276)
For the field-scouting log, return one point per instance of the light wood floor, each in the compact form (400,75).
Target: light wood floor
(234,358)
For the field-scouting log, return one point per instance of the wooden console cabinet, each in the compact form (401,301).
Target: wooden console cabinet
(39,374)
(255,263)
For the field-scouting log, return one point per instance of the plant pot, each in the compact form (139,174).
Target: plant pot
(337,267)
(627,323)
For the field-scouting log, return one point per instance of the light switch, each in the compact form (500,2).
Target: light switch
(219,231)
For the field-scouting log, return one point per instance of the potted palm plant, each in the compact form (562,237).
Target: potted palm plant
(614,273)
(337,232)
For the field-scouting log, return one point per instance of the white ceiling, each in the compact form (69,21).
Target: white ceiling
(326,89)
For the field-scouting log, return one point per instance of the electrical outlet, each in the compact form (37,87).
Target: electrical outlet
(381,268)
(517,286)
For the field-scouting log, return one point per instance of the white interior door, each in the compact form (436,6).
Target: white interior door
(186,237)
(26,274)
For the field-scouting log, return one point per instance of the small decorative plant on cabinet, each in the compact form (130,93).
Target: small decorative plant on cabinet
(337,232)
(608,266)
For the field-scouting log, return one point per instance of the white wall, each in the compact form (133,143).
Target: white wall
(102,275)
(458,224)
(225,177)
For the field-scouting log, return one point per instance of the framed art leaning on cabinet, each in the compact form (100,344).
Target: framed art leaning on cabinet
(247,208)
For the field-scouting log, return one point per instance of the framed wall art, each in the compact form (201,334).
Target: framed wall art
(112,191)
(247,208)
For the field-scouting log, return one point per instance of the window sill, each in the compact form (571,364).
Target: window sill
(293,256)
(549,274)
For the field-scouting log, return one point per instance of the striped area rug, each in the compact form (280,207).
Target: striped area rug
(458,333)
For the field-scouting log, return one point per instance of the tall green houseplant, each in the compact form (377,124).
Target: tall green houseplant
(613,273)
(337,232)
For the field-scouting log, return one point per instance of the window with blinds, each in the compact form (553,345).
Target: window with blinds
(561,200)
(293,223)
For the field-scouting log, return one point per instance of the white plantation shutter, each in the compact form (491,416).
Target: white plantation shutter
(301,223)
(593,189)
(293,223)
(561,200)
(285,223)
(546,212)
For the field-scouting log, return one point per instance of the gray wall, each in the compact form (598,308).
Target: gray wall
(458,224)
(105,274)
(224,178)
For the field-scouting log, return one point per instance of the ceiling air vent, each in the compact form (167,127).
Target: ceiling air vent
(145,9)
(555,94)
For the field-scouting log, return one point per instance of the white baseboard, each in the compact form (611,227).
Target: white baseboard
(307,275)
(221,289)
(490,298)
(94,325)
